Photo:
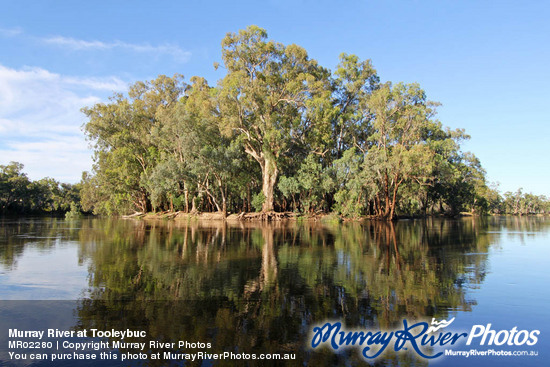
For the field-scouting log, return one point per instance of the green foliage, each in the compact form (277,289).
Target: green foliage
(258,201)
(125,149)
(289,187)
(310,185)
(350,196)
(74,213)
(520,203)
(19,195)
(353,82)
(280,124)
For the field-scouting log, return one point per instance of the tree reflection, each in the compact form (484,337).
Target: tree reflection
(260,288)
(39,233)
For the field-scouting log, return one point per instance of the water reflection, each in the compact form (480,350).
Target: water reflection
(259,288)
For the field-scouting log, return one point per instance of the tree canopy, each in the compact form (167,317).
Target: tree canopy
(281,132)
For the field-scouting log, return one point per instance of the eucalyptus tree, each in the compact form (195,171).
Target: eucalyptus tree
(14,185)
(400,151)
(272,99)
(18,194)
(316,176)
(458,180)
(354,81)
(217,159)
(520,203)
(463,186)
(124,148)
(198,168)
(179,136)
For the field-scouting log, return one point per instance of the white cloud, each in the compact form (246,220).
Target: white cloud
(63,160)
(76,44)
(40,120)
(105,84)
(10,32)
(173,50)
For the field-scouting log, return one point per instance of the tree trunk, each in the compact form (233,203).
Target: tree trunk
(268,164)
(186,192)
(269,177)
(223,195)
(144,203)
(248,198)
(394,201)
(194,209)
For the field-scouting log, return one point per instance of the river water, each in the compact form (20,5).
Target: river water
(262,288)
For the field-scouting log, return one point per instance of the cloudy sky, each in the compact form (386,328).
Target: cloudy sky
(486,62)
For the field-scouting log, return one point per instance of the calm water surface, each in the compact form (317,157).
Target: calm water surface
(260,288)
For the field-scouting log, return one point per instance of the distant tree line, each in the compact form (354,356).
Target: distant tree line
(281,132)
(20,195)
(520,203)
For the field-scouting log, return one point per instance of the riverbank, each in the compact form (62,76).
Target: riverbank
(279,216)
(242,217)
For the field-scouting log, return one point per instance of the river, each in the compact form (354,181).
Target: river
(261,288)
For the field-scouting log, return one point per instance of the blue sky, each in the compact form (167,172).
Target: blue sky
(487,63)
